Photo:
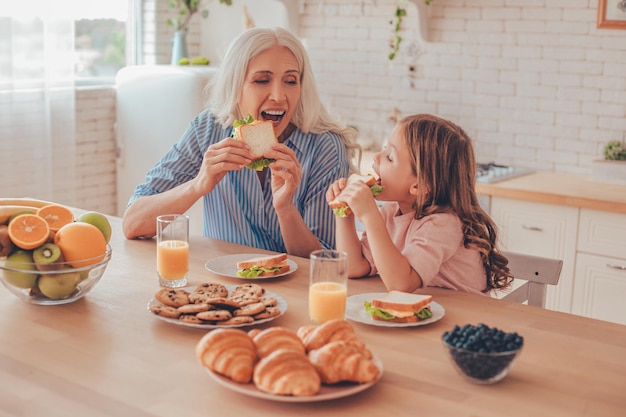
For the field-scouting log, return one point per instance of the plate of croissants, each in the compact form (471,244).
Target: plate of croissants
(313,363)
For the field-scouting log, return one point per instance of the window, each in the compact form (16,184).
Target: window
(104,35)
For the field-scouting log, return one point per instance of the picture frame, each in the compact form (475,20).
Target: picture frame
(612,14)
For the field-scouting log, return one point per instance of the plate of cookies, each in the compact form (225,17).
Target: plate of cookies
(211,305)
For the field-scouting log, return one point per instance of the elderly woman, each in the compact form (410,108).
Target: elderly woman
(266,73)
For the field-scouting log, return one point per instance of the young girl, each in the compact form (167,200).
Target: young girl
(431,231)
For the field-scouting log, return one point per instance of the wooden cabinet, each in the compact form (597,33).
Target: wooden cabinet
(540,229)
(600,279)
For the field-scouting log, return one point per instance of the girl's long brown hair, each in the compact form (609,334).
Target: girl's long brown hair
(443,161)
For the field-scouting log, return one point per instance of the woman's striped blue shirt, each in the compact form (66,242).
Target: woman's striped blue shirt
(238,210)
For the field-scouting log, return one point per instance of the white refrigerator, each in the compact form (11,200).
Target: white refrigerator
(155,103)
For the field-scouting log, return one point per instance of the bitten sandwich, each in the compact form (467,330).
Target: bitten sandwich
(400,307)
(259,135)
(263,266)
(340,208)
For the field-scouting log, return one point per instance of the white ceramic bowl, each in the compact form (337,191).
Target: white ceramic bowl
(79,280)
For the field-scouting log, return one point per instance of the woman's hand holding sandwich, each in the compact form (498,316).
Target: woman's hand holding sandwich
(226,155)
(286,175)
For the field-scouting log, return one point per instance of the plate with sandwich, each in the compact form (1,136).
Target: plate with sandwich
(393,309)
(252,266)
(340,208)
(259,135)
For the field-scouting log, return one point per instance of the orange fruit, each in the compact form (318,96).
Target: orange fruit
(81,244)
(28,231)
(56,215)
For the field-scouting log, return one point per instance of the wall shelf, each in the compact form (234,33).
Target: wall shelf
(423,17)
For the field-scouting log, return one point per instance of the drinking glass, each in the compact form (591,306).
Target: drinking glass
(328,285)
(173,250)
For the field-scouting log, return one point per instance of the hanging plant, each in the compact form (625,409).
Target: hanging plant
(397,26)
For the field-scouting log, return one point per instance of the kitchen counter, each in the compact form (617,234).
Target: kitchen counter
(106,355)
(560,188)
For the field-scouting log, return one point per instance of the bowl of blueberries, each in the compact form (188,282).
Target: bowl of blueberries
(480,353)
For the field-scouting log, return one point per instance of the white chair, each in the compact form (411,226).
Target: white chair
(537,272)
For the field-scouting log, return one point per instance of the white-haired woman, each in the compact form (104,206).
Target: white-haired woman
(265,73)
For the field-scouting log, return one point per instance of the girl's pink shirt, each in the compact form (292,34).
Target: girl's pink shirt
(434,247)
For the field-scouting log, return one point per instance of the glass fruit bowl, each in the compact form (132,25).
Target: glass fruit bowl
(58,284)
(481,354)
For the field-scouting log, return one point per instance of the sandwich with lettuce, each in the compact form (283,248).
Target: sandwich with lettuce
(259,135)
(400,307)
(340,208)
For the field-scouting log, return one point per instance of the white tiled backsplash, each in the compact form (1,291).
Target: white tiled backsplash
(534,82)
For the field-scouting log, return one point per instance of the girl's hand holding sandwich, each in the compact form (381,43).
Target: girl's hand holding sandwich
(356,194)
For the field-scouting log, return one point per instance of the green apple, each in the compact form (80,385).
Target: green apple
(200,60)
(84,275)
(21,259)
(99,220)
(58,286)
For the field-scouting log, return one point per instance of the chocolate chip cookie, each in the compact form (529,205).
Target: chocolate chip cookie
(165,311)
(172,297)
(206,291)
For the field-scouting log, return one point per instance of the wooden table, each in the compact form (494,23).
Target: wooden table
(106,355)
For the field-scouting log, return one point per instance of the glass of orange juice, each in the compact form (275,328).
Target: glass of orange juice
(173,250)
(328,285)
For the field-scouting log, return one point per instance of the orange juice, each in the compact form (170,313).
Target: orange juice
(327,300)
(172,259)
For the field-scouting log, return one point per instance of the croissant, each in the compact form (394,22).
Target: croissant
(229,352)
(314,337)
(287,372)
(340,361)
(274,338)
(253,332)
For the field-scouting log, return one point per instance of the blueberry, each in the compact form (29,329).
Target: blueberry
(476,342)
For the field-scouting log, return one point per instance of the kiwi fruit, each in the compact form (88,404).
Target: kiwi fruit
(6,245)
(48,257)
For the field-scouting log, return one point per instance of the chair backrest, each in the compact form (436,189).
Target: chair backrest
(537,272)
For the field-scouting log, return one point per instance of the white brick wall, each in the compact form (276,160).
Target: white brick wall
(95,154)
(534,82)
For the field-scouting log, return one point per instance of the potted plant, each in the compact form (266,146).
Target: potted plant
(185,10)
(613,167)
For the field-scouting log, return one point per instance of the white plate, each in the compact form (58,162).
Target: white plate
(227,265)
(327,392)
(355,310)
(282,305)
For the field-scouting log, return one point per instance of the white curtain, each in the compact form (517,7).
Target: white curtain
(37,102)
